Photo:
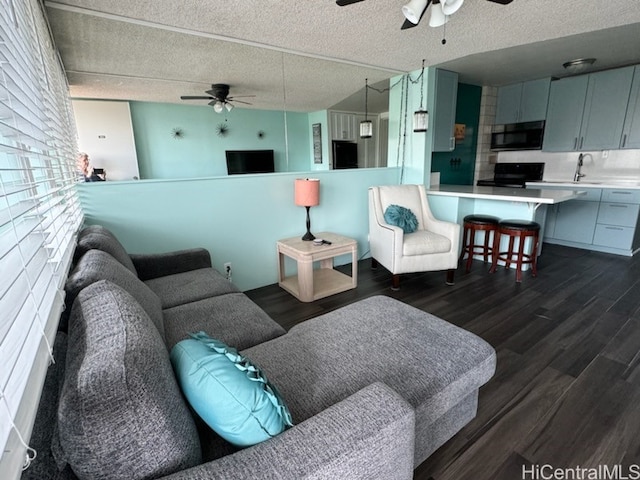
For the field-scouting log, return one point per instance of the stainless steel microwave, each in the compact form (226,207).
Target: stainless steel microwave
(517,136)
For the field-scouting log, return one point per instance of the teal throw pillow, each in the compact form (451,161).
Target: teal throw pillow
(401,217)
(229,393)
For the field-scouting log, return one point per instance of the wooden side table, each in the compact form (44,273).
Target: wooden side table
(312,284)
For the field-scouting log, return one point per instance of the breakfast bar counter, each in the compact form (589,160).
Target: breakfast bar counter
(453,202)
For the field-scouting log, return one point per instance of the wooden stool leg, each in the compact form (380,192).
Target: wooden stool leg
(521,241)
(507,263)
(469,248)
(496,249)
(487,233)
(465,242)
(534,258)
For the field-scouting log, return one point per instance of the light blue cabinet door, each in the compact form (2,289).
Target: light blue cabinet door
(576,221)
(445,110)
(631,130)
(533,104)
(604,110)
(508,104)
(564,114)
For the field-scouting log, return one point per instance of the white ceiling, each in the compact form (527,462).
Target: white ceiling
(308,55)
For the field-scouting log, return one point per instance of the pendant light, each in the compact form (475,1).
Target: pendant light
(421,116)
(366,127)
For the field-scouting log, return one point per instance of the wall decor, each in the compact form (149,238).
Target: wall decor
(261,134)
(177,133)
(317,142)
(222,129)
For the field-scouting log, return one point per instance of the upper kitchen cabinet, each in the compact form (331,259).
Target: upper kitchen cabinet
(564,115)
(604,109)
(446,88)
(587,112)
(631,130)
(523,102)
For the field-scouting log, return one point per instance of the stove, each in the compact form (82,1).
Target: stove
(513,175)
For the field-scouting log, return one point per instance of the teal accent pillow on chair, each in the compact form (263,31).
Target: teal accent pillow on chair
(229,393)
(401,217)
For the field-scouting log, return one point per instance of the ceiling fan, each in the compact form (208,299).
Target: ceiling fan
(414,10)
(219,97)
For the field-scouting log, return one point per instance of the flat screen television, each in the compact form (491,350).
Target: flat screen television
(249,161)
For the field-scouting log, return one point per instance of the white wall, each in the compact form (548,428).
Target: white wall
(106,134)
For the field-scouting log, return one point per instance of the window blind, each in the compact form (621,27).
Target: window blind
(39,215)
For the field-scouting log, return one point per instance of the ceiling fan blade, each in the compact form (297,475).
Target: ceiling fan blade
(240,96)
(501,2)
(240,101)
(342,3)
(191,97)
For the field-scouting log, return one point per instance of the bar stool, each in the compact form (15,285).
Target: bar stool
(520,229)
(473,224)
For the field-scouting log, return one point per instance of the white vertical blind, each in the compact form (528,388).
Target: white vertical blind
(39,213)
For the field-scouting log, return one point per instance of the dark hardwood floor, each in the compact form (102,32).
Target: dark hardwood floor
(567,387)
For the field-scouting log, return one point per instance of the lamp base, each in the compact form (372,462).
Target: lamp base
(308,236)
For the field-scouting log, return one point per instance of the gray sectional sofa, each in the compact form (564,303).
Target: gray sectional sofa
(373,388)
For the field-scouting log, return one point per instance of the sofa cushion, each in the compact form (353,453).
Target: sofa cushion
(185,287)
(121,413)
(401,217)
(97,265)
(228,392)
(232,318)
(102,239)
(433,364)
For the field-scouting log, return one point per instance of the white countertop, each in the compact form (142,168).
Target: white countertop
(525,195)
(630,185)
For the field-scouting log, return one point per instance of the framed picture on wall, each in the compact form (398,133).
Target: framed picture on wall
(317,142)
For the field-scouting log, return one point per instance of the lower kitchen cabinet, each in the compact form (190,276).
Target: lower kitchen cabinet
(605,220)
(576,221)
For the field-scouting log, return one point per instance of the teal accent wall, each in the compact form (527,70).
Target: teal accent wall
(201,152)
(468,113)
(405,146)
(238,219)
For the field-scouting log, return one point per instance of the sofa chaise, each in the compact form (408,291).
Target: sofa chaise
(373,388)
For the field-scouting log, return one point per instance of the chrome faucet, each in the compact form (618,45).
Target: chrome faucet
(578,175)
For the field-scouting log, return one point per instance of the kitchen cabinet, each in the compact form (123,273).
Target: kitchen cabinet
(587,112)
(617,219)
(444,115)
(344,126)
(523,102)
(575,221)
(631,130)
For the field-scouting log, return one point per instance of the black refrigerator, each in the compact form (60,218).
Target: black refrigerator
(345,154)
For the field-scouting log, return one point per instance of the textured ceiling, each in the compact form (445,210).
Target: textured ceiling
(308,55)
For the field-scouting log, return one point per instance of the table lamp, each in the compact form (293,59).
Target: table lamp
(307,194)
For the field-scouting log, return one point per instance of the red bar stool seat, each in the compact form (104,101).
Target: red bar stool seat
(520,229)
(473,224)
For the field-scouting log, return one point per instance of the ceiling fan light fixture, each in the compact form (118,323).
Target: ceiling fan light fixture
(449,7)
(218,106)
(413,10)
(438,18)
(578,65)
(228,106)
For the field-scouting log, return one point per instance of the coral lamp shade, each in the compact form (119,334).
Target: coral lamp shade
(307,192)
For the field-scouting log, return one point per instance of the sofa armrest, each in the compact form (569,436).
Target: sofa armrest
(154,265)
(367,435)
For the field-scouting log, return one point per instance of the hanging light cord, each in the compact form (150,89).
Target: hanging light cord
(422,84)
(366,98)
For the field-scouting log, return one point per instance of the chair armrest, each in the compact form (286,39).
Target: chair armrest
(367,435)
(154,265)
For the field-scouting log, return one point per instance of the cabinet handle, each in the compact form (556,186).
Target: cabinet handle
(575,143)
(452,143)
(620,192)
(618,205)
(624,140)
(581,141)
(614,228)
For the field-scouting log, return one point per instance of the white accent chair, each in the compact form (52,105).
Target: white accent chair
(433,246)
